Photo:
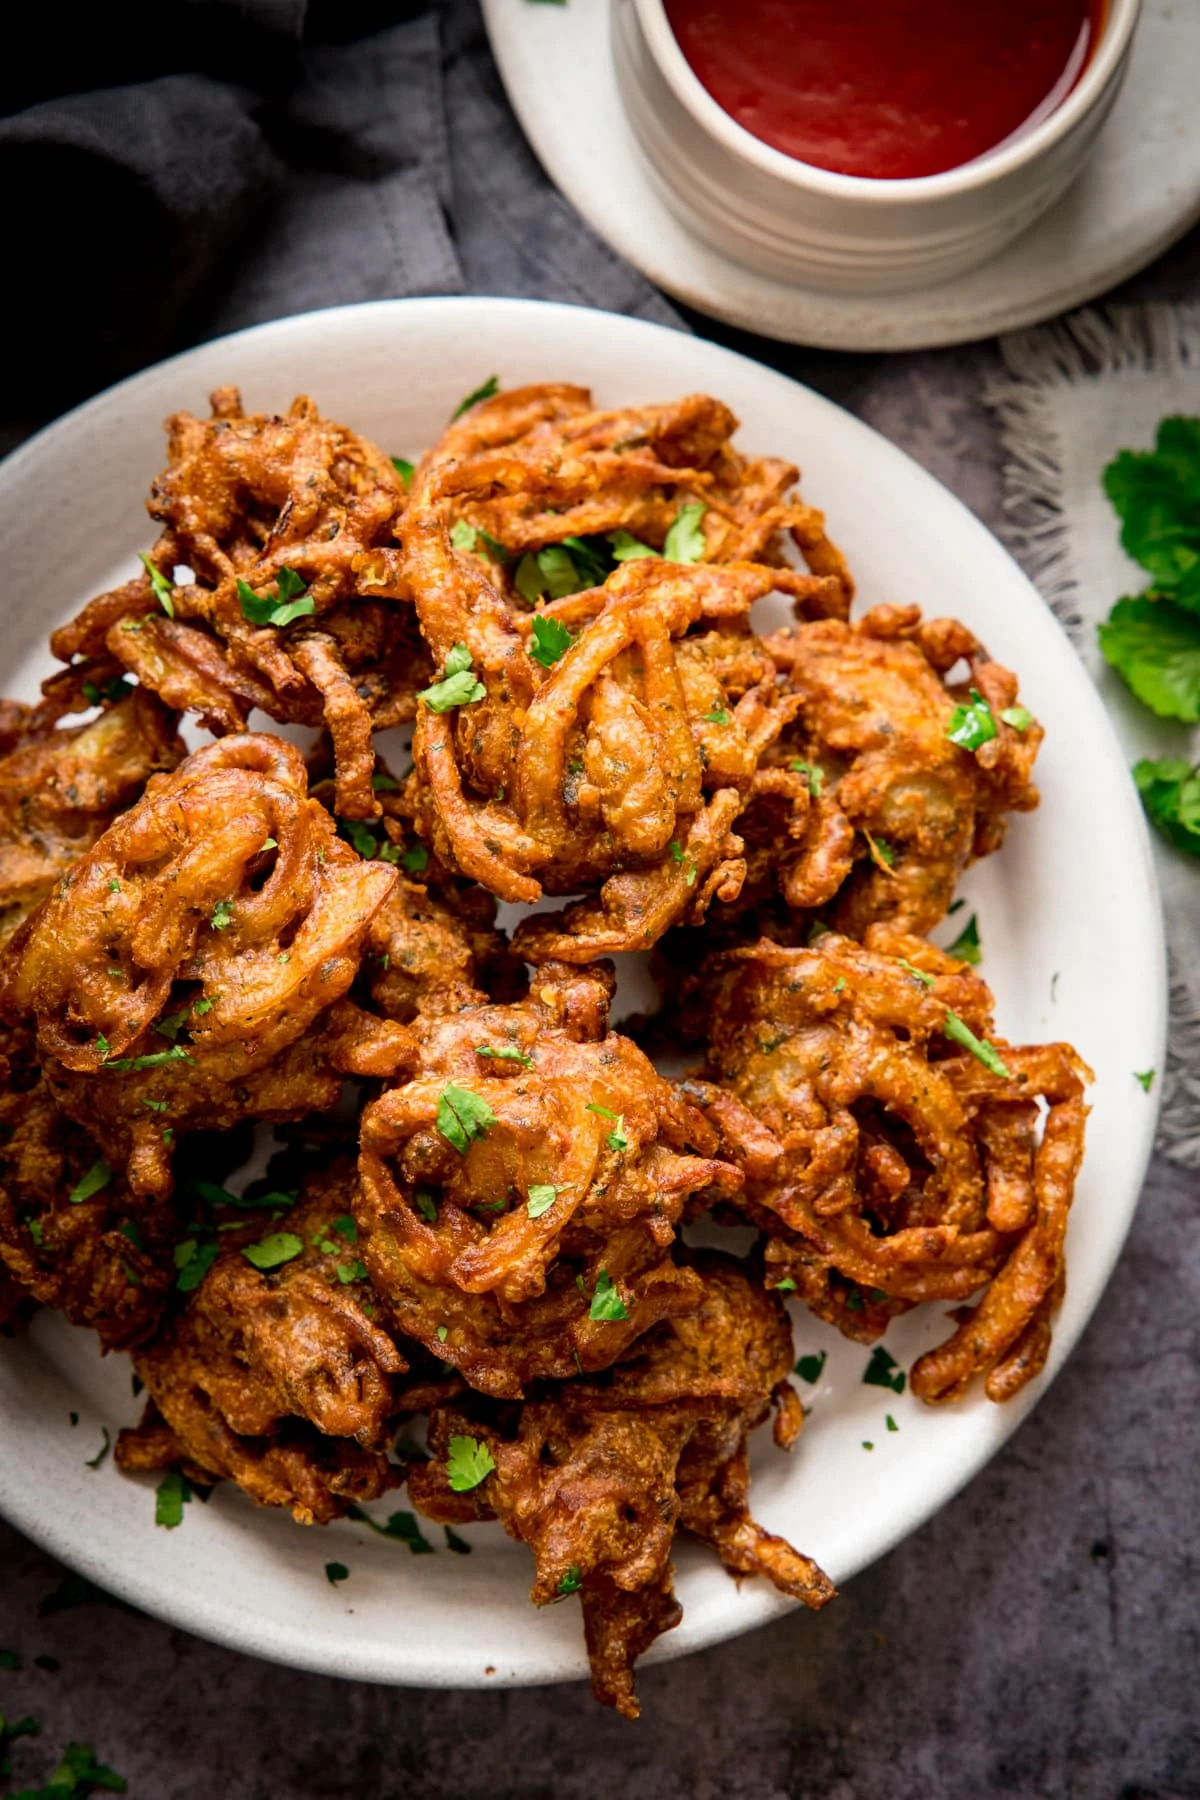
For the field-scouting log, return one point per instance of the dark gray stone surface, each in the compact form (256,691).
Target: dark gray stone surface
(1038,1638)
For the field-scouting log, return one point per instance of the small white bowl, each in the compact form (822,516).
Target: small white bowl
(847,232)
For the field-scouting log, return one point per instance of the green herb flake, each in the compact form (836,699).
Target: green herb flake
(607,1303)
(809,1367)
(918,974)
(786,1286)
(891,1423)
(415,860)
(160,585)
(154,1060)
(463,534)
(972,725)
(404,469)
(290,601)
(36,1230)
(966,946)
(685,541)
(1018,717)
(1145,1078)
(867,1445)
(426,1205)
(273,1251)
(468,1463)
(718,716)
(193,1260)
(352,1271)
(94,1462)
(442,1333)
(462,1117)
(883,1371)
(97,1177)
(77,1774)
(222,915)
(170,1497)
(172,1024)
(571,1582)
(459,685)
(542,1196)
(484,391)
(551,640)
(627,548)
(335,1572)
(459,1545)
(986,1053)
(505,1053)
(401,1528)
(815,774)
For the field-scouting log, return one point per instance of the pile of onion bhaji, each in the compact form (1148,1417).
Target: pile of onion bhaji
(465,1268)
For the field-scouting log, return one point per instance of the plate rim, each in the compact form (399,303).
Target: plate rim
(757,1602)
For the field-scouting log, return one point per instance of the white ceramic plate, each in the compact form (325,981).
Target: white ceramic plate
(1139,192)
(1072,896)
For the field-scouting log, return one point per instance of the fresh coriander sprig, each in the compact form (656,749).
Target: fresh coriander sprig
(462,1117)
(291,600)
(459,685)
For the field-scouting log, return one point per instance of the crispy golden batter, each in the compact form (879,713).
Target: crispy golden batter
(60,789)
(194,947)
(901,810)
(279,1380)
(887,1166)
(597,1478)
(243,498)
(472,1256)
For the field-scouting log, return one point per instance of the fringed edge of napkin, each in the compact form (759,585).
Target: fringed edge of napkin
(1160,339)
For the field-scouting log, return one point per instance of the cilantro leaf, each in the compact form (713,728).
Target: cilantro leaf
(1170,790)
(986,1053)
(718,716)
(459,685)
(458,1544)
(627,548)
(1019,717)
(506,1053)
(551,640)
(404,469)
(921,975)
(94,1462)
(273,1251)
(359,837)
(972,726)
(154,1060)
(469,1462)
(426,1205)
(542,1196)
(291,600)
(77,1774)
(170,1497)
(591,559)
(815,774)
(193,1260)
(1155,649)
(571,1582)
(401,1527)
(335,1572)
(352,1271)
(884,1371)
(97,1177)
(809,1367)
(172,1024)
(415,860)
(463,534)
(684,542)
(966,945)
(1156,495)
(462,1117)
(786,1286)
(160,584)
(222,915)
(607,1303)
(1145,1078)
(484,391)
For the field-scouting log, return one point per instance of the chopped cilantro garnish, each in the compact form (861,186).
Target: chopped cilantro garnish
(97,1177)
(415,860)
(718,716)
(686,863)
(160,585)
(194,1259)
(485,391)
(607,1303)
(786,1286)
(966,945)
(345,1227)
(36,1230)
(867,1445)
(590,559)
(627,548)
(458,1544)
(1146,1078)
(883,854)
(986,1053)
(463,534)
(571,1582)
(404,469)
(551,640)
(809,1367)
(815,774)
(616,1139)
(469,1462)
(401,1528)
(114,886)
(335,1572)
(382,783)
(684,542)
(920,974)
(203,1006)
(94,1462)
(291,600)
(442,1333)
(352,1271)
(891,1423)
(274,1250)
(462,1117)
(172,1024)
(154,1060)
(459,685)
(170,1497)
(102,1045)
(972,725)
(505,1053)
(1170,790)
(542,1196)
(883,1371)
(222,915)
(359,837)
(1019,717)
(426,1205)
(77,1774)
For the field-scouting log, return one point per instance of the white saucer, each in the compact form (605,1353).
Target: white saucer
(1140,192)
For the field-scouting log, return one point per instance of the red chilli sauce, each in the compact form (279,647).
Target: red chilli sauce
(887,88)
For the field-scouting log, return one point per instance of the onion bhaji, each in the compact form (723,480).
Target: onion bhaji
(263,515)
(476,1226)
(597,1476)
(895,1151)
